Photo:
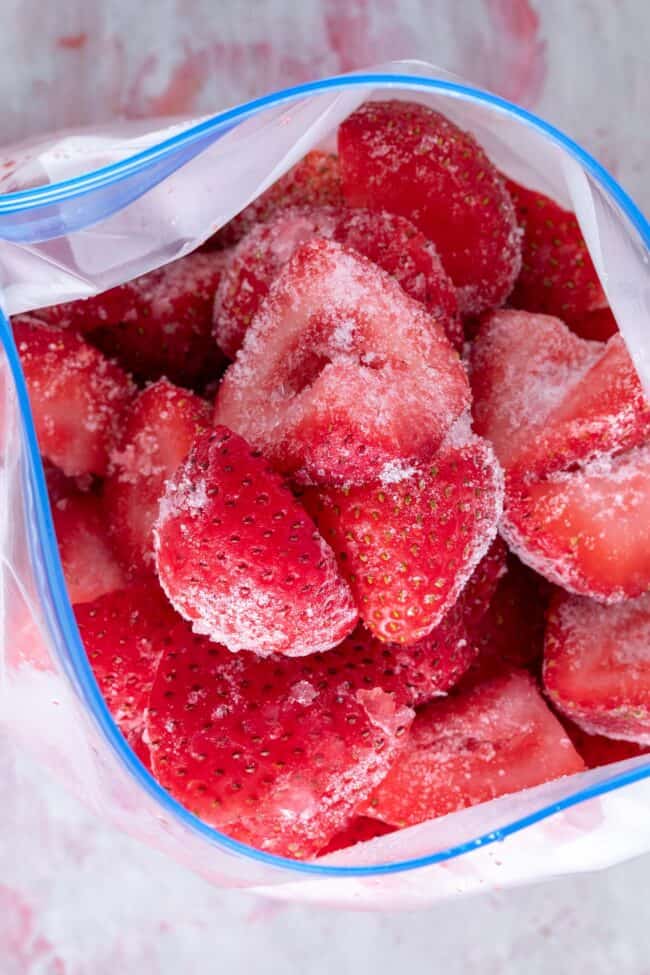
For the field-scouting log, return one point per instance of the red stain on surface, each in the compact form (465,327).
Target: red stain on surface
(517,52)
(22,949)
(72,42)
(359,33)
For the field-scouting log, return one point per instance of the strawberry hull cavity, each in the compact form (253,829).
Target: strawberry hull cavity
(239,557)
(341,372)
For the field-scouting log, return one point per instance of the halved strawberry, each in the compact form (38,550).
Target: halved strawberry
(557,274)
(597,750)
(159,324)
(493,738)
(408,159)
(124,633)
(341,372)
(314,181)
(511,632)
(409,544)
(240,558)
(597,665)
(360,829)
(390,241)
(546,398)
(588,529)
(158,430)
(89,563)
(76,395)
(276,752)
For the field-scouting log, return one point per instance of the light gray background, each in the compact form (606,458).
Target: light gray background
(76,898)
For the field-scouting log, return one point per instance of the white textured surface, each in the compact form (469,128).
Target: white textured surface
(79,899)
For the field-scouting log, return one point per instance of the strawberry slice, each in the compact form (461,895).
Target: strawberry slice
(158,430)
(390,241)
(493,738)
(409,544)
(597,665)
(359,830)
(314,181)
(341,372)
(76,395)
(596,750)
(239,557)
(124,633)
(87,556)
(408,159)
(159,324)
(587,530)
(557,274)
(546,398)
(276,752)
(511,632)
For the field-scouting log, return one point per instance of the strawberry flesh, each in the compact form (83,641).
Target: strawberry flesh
(89,563)
(388,240)
(158,429)
(239,557)
(493,738)
(341,372)
(597,665)
(408,159)
(359,830)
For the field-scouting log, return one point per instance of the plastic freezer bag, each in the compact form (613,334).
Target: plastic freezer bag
(112,204)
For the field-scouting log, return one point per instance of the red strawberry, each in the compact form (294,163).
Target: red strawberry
(76,395)
(408,545)
(87,557)
(276,752)
(390,241)
(546,398)
(341,372)
(238,556)
(360,829)
(491,739)
(158,324)
(482,585)
(408,159)
(413,674)
(157,432)
(124,633)
(596,750)
(314,181)
(557,275)
(597,665)
(587,530)
(511,632)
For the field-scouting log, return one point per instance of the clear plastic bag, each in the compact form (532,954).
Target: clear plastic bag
(110,205)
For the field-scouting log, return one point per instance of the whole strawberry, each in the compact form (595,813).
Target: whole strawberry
(240,558)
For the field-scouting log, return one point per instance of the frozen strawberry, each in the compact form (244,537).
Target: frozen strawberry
(511,632)
(413,674)
(390,241)
(359,830)
(408,159)
(314,181)
(557,274)
(495,737)
(158,430)
(409,544)
(588,529)
(341,373)
(482,585)
(76,395)
(239,557)
(596,750)
(159,324)
(597,665)
(274,751)
(546,398)
(89,563)
(124,633)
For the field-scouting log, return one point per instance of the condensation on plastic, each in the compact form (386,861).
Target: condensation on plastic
(82,212)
